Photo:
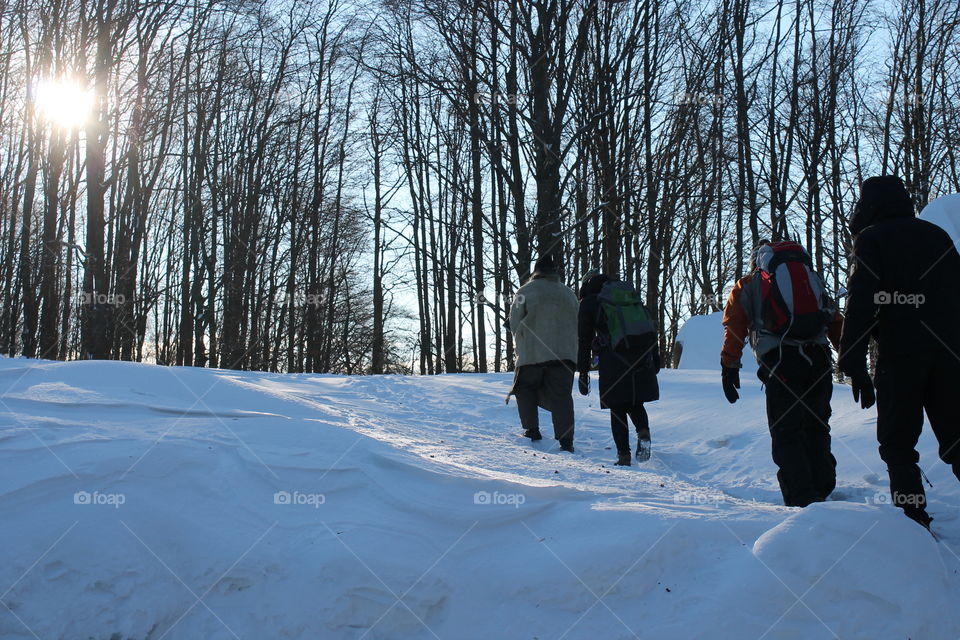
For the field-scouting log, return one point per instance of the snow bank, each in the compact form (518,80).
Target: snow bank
(142,502)
(853,565)
(945,212)
(701,338)
(833,570)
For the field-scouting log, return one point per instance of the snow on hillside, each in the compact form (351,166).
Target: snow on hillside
(143,502)
(945,212)
(701,338)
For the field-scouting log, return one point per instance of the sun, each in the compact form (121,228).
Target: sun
(63,103)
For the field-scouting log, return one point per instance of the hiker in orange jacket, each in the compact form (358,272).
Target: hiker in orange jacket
(783,309)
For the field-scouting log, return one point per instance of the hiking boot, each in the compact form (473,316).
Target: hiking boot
(623,459)
(566,445)
(533,434)
(643,448)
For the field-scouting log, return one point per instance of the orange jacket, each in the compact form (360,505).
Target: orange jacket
(736,326)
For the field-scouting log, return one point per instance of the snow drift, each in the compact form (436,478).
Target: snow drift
(142,502)
(945,212)
(701,338)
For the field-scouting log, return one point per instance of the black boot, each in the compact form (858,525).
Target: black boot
(566,445)
(623,459)
(533,434)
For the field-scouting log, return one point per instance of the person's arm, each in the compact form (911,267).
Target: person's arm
(518,311)
(655,349)
(835,330)
(735,326)
(863,288)
(586,330)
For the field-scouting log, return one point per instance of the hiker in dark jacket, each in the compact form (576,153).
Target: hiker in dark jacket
(627,372)
(903,291)
(795,370)
(543,320)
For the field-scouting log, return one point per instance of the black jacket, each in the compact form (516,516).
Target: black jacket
(904,288)
(628,377)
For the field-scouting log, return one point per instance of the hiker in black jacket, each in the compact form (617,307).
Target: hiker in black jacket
(903,291)
(627,371)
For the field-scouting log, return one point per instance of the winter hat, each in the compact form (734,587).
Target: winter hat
(547,265)
(756,252)
(589,275)
(881,198)
(592,284)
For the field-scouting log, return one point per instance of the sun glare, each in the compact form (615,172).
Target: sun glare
(63,103)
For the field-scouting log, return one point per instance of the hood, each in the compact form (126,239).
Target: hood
(591,286)
(881,198)
(548,266)
(552,277)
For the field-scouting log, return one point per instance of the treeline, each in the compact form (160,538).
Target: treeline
(337,186)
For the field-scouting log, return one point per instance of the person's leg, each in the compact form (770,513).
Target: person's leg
(641,421)
(558,379)
(822,463)
(618,426)
(526,390)
(943,411)
(899,423)
(786,416)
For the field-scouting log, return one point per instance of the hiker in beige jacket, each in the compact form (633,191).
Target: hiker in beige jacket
(543,319)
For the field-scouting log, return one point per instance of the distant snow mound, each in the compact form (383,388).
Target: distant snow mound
(700,340)
(945,212)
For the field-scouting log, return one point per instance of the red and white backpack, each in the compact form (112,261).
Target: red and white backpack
(793,302)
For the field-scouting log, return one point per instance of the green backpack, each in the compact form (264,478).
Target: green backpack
(628,322)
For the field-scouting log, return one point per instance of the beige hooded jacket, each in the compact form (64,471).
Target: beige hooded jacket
(543,319)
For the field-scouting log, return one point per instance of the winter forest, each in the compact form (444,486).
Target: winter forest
(360,186)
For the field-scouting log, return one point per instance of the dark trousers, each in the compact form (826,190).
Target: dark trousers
(618,424)
(550,386)
(799,390)
(905,389)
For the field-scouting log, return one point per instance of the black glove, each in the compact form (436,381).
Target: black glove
(584,383)
(863,391)
(731,382)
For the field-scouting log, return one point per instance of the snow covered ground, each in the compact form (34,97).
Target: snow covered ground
(143,502)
